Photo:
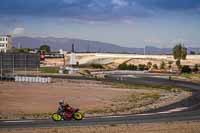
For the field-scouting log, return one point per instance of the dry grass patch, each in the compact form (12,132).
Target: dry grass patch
(34,100)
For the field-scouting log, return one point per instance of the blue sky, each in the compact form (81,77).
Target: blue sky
(133,23)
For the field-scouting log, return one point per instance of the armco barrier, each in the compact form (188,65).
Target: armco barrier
(32,79)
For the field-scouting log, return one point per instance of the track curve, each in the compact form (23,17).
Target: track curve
(160,115)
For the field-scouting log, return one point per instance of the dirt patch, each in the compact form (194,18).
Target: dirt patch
(19,100)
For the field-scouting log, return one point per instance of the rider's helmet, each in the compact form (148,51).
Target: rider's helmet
(61,102)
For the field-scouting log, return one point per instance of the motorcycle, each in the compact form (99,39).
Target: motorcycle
(69,114)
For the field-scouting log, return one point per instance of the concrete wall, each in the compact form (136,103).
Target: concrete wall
(106,58)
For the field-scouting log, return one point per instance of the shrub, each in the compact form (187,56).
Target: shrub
(170,64)
(123,66)
(149,65)
(162,65)
(196,68)
(97,66)
(186,69)
(132,67)
(142,67)
(155,66)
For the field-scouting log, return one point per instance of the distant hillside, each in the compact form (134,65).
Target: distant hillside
(85,45)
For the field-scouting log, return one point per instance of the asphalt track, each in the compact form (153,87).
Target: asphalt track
(188,110)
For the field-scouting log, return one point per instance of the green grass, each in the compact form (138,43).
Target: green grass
(191,76)
(144,86)
(49,69)
(92,66)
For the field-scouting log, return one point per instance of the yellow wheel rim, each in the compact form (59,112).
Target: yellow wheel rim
(56,117)
(78,116)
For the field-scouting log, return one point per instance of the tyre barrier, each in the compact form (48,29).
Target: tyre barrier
(32,79)
(7,78)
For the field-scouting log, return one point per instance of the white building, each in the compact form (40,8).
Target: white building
(5,43)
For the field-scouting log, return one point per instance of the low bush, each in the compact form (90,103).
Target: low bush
(97,66)
(142,67)
(149,65)
(132,67)
(155,66)
(196,68)
(124,66)
(186,69)
(162,65)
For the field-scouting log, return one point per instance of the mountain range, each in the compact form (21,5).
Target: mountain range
(87,45)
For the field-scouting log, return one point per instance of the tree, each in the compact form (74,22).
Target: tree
(178,64)
(21,50)
(179,53)
(192,52)
(45,48)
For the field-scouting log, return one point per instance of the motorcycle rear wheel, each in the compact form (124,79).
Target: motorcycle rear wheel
(56,117)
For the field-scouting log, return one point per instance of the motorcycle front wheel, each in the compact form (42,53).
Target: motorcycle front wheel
(78,116)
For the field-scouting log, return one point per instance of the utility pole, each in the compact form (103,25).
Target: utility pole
(13,64)
(73,48)
(145,50)
(88,48)
(25,65)
(1,66)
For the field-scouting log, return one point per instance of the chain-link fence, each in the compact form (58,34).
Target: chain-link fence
(12,64)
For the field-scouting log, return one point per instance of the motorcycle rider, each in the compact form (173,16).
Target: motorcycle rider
(63,107)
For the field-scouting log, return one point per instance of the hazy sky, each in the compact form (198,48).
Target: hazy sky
(132,23)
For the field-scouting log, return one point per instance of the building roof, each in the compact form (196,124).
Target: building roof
(5,35)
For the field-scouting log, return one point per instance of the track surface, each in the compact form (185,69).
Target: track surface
(190,112)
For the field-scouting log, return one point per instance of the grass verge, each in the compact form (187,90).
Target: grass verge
(49,69)
(145,86)
(191,76)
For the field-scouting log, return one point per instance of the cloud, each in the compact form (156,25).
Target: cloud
(18,31)
(69,1)
(119,3)
(95,9)
(170,5)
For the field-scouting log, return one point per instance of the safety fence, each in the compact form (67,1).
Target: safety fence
(11,63)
